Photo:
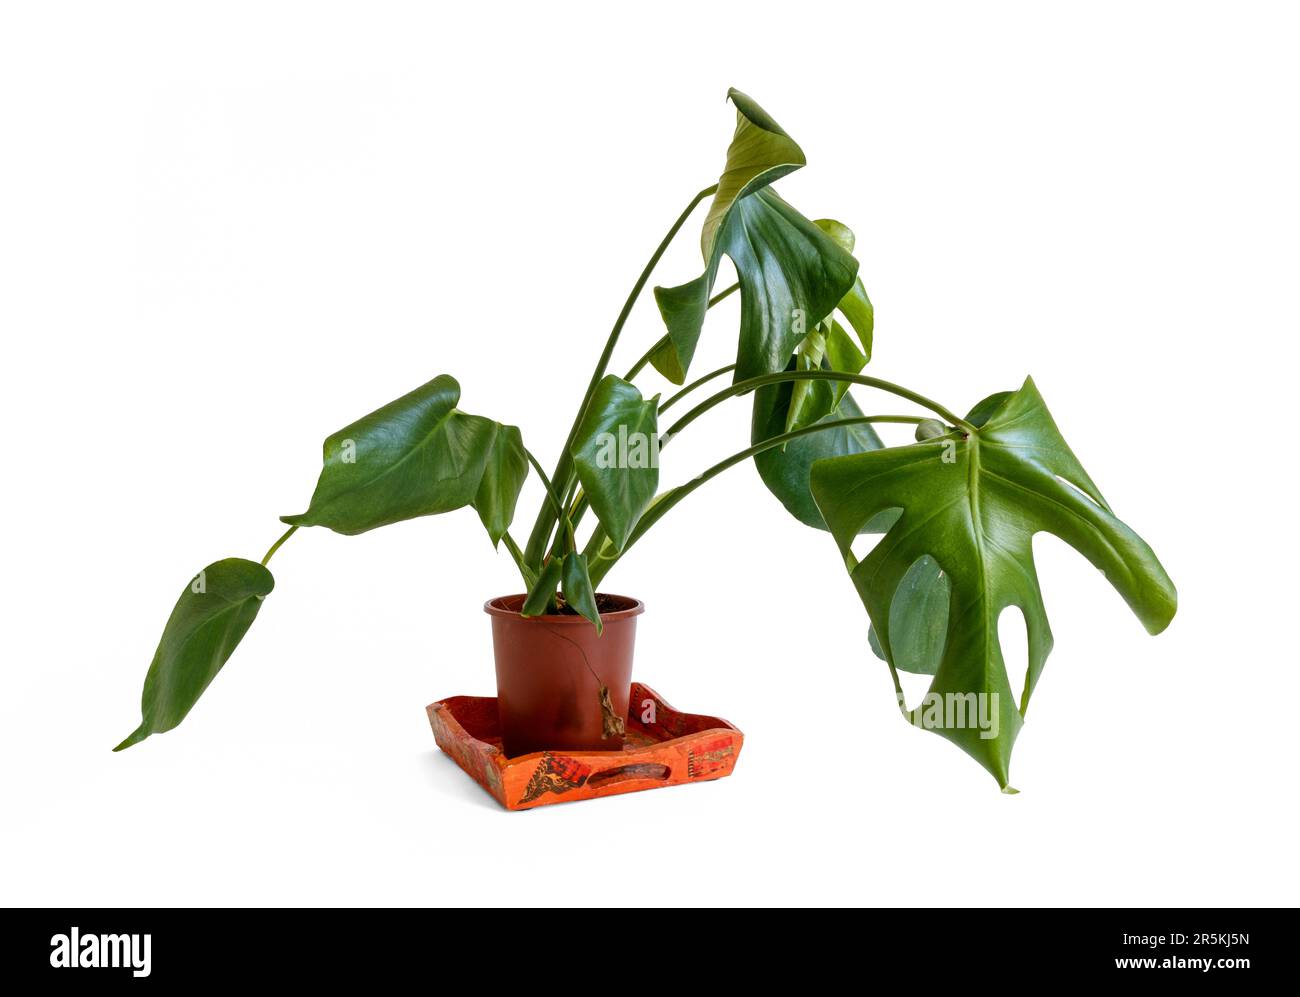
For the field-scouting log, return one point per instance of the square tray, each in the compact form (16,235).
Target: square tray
(663,747)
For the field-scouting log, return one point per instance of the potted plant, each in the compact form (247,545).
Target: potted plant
(957,508)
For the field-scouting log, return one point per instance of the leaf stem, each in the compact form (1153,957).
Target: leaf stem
(276,546)
(695,384)
(743,387)
(526,572)
(665,501)
(561,515)
(537,541)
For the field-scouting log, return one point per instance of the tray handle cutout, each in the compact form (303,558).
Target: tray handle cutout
(626,773)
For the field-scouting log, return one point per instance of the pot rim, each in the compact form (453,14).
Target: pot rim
(508,606)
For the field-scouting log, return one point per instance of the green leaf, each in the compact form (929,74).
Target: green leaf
(928,429)
(616,453)
(810,400)
(855,306)
(503,478)
(841,233)
(787,407)
(985,408)
(827,347)
(416,456)
(791,275)
(209,620)
(542,593)
(973,504)
(791,272)
(578,593)
(918,618)
(760,152)
(785,470)
(842,354)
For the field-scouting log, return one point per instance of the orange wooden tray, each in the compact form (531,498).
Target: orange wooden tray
(663,747)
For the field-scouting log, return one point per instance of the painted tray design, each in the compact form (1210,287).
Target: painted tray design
(663,747)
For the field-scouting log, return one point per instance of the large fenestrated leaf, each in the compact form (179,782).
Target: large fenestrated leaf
(210,618)
(417,456)
(791,272)
(973,503)
(918,616)
(616,454)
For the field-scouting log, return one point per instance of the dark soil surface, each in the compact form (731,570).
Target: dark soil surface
(604,604)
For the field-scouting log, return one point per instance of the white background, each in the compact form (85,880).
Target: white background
(227,230)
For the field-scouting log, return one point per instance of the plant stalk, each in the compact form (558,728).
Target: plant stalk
(743,387)
(276,546)
(538,540)
(599,566)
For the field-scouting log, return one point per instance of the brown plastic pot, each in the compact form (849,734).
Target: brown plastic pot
(550,670)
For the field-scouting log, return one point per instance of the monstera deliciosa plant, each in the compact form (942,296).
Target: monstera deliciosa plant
(958,508)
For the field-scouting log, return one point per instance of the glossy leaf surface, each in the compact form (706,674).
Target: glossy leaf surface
(791,271)
(973,503)
(504,474)
(575,583)
(416,456)
(785,408)
(210,618)
(785,470)
(616,453)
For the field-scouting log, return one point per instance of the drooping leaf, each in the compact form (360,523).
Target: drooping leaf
(785,470)
(503,478)
(803,403)
(576,586)
(791,275)
(616,454)
(973,504)
(918,617)
(210,618)
(417,456)
(791,272)
(828,345)
(543,592)
(760,152)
